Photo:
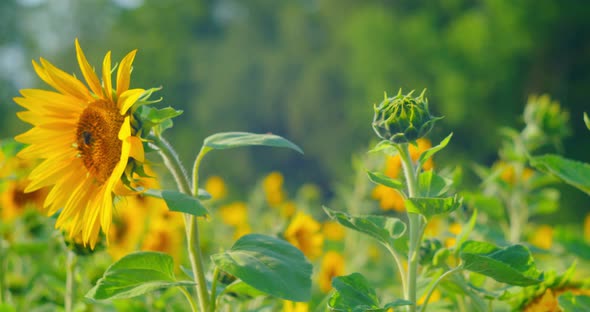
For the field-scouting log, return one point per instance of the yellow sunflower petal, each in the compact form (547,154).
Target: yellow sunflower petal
(128,98)
(106,76)
(49,171)
(88,71)
(66,82)
(136,150)
(124,73)
(51,101)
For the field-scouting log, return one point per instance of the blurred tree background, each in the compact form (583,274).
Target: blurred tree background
(310,70)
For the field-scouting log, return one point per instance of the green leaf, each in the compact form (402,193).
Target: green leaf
(158,119)
(5,307)
(270,265)
(490,205)
(353,293)
(433,150)
(466,230)
(136,274)
(386,147)
(226,140)
(432,185)
(242,290)
(385,229)
(574,303)
(177,201)
(587,120)
(203,194)
(571,172)
(512,265)
(429,207)
(380,178)
(397,303)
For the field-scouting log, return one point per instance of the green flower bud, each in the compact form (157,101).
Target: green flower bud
(403,119)
(545,121)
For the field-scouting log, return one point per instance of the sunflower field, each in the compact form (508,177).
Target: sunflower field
(308,155)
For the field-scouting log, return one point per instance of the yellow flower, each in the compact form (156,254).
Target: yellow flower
(290,306)
(543,237)
(304,233)
(332,266)
(234,214)
(241,230)
(163,236)
(14,201)
(216,187)
(455,228)
(433,298)
(508,174)
(548,301)
(391,199)
(288,209)
(85,138)
(273,188)
(332,230)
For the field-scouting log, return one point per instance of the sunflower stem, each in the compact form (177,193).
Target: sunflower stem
(70,274)
(172,162)
(438,280)
(415,226)
(213,300)
(189,298)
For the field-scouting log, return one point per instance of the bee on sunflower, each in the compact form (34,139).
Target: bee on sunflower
(88,140)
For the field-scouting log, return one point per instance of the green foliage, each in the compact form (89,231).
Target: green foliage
(572,172)
(226,140)
(424,157)
(429,207)
(574,303)
(354,294)
(136,274)
(513,265)
(385,229)
(270,265)
(380,178)
(177,201)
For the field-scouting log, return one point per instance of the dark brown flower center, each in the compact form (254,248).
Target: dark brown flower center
(97,137)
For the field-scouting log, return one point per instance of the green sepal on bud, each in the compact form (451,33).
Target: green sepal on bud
(403,118)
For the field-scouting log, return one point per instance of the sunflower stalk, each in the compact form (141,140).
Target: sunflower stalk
(416,226)
(172,162)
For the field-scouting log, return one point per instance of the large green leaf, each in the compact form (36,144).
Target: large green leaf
(136,274)
(226,140)
(354,294)
(572,303)
(380,178)
(570,171)
(177,201)
(429,207)
(270,265)
(512,265)
(385,229)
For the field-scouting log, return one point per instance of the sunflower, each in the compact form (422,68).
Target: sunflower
(85,139)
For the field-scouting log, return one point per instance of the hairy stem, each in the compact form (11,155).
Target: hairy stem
(173,164)
(415,226)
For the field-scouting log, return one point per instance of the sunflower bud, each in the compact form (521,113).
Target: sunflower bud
(545,121)
(403,119)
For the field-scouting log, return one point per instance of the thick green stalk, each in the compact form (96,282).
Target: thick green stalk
(173,164)
(415,226)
